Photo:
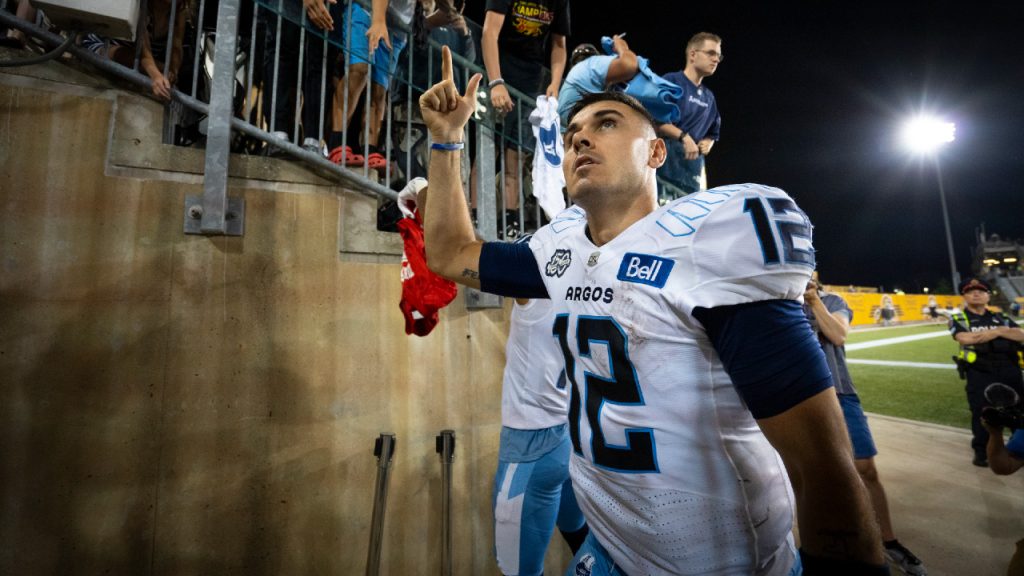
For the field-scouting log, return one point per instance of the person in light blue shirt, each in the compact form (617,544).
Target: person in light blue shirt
(592,72)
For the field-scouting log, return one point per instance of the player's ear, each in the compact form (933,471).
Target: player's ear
(658,153)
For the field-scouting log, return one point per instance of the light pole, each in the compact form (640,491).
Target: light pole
(945,219)
(924,135)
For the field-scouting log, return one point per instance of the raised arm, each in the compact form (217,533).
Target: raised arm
(453,251)
(834,326)
(624,66)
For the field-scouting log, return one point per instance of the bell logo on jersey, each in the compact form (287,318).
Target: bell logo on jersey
(559,263)
(645,269)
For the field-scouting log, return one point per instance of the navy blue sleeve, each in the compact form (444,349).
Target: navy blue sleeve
(769,351)
(510,270)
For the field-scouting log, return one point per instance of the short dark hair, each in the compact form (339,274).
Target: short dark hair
(611,96)
(581,53)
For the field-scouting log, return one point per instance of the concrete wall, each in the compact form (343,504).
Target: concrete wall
(175,404)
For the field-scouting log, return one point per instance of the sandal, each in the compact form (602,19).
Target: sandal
(345,157)
(376,161)
(13,40)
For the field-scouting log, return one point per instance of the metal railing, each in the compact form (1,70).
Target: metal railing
(264,59)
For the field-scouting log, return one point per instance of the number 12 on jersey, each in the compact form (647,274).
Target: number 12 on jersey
(621,386)
(791,232)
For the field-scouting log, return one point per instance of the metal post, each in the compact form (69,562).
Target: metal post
(949,235)
(446,448)
(486,199)
(277,66)
(383,449)
(199,40)
(216,210)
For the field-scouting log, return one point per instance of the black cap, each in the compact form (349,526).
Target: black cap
(581,53)
(973,283)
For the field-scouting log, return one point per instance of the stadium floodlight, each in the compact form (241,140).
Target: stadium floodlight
(924,134)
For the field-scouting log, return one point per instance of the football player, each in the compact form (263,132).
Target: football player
(532,490)
(696,382)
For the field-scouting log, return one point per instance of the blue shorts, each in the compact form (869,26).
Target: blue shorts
(384,60)
(593,560)
(530,498)
(857,426)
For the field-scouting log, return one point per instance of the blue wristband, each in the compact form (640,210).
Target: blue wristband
(449,146)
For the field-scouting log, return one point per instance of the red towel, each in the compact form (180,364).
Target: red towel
(423,292)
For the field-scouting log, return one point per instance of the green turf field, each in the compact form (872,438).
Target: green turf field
(868,334)
(925,394)
(937,350)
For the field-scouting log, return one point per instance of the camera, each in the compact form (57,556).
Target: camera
(1005,410)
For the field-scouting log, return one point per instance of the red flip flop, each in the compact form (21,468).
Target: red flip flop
(345,156)
(376,161)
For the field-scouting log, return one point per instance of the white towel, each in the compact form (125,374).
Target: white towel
(548,178)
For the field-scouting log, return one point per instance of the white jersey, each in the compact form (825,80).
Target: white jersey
(534,392)
(548,178)
(670,468)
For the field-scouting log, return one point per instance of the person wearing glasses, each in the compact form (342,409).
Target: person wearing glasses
(690,138)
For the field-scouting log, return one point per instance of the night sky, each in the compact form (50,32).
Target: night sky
(812,96)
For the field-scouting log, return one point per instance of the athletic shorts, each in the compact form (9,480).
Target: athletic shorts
(384,60)
(857,426)
(530,499)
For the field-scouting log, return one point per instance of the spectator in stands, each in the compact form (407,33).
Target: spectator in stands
(369,39)
(444,24)
(279,96)
(690,139)
(886,313)
(988,353)
(515,38)
(830,318)
(154,45)
(16,38)
(591,72)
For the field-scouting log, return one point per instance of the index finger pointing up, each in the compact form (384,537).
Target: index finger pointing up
(446,64)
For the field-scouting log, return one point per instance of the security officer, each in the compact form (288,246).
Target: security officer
(989,343)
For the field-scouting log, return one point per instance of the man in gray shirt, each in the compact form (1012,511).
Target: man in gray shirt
(830,318)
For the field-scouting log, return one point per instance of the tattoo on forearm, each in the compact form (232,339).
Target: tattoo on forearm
(471,274)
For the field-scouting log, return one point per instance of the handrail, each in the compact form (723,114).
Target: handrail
(362,182)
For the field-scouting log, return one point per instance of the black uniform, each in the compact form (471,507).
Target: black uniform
(993,361)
